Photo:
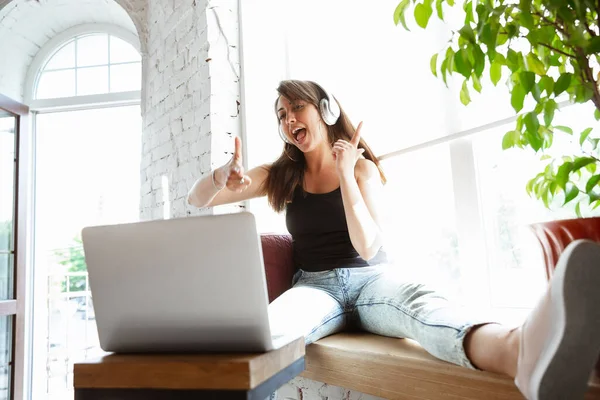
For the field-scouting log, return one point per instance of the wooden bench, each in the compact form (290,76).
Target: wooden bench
(401,369)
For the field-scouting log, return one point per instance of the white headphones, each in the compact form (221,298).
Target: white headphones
(329,107)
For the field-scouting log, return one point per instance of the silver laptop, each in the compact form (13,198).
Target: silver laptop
(189,284)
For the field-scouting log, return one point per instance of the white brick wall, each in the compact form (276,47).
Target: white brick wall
(306,389)
(191,98)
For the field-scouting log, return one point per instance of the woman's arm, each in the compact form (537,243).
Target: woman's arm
(361,196)
(229,184)
(361,186)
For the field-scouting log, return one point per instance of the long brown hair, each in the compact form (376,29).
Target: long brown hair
(287,172)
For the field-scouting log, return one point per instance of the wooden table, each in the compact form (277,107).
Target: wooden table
(188,376)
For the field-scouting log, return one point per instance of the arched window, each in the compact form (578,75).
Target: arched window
(83,88)
(90,64)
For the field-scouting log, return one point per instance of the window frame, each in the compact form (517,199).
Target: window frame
(75,103)
(17,306)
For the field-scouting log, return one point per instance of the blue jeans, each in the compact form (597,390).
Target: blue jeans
(375,299)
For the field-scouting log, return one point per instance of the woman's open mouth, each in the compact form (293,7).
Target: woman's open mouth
(299,135)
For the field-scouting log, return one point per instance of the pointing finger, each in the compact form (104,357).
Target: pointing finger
(237,155)
(356,137)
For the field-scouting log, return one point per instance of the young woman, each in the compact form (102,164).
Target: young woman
(329,183)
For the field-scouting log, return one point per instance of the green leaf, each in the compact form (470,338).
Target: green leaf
(544,190)
(583,94)
(438,8)
(597,114)
(535,64)
(512,30)
(584,135)
(593,46)
(399,12)
(512,60)
(495,72)
(578,210)
(433,64)
(520,122)
(511,139)
(464,94)
(517,97)
(527,79)
(562,83)
(462,64)
(581,162)
(443,69)
(479,60)
(423,12)
(562,176)
(526,19)
(529,186)
(537,93)
(571,193)
(450,2)
(532,125)
(468,7)
(450,58)
(565,129)
(476,83)
(488,35)
(502,37)
(547,84)
(467,33)
(566,14)
(592,183)
(548,137)
(549,109)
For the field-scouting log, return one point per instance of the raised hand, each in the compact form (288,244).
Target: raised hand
(232,173)
(347,153)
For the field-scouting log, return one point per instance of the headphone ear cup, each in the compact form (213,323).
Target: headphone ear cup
(330,110)
(326,113)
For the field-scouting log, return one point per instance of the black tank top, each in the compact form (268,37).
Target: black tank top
(320,235)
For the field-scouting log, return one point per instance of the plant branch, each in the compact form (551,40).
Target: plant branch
(587,26)
(553,23)
(557,50)
(590,155)
(585,66)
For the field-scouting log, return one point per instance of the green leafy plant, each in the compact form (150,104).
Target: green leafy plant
(560,63)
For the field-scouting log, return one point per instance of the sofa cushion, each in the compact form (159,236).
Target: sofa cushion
(279,263)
